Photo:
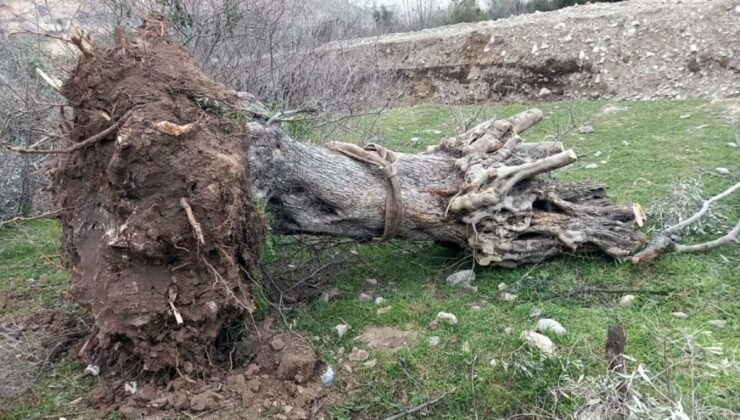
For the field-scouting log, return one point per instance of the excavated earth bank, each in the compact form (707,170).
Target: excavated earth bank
(162,238)
(637,49)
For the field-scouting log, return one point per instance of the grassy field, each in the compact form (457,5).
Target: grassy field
(481,366)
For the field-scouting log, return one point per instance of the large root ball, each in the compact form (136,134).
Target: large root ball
(159,230)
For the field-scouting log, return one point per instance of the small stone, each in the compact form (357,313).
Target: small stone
(461,278)
(203,401)
(277,344)
(177,401)
(358,355)
(434,341)
(370,364)
(493,363)
(507,330)
(684,116)
(466,347)
(717,323)
(539,341)
(372,282)
(379,300)
(92,370)
(502,286)
(598,153)
(448,318)
(626,300)
(679,315)
(475,308)
(508,297)
(383,310)
(546,324)
(236,382)
(544,92)
(559,27)
(591,166)
(365,296)
(585,129)
(159,402)
(415,141)
(130,387)
(722,171)
(327,378)
(341,329)
(733,145)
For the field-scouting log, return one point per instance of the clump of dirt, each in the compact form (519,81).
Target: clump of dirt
(280,382)
(159,229)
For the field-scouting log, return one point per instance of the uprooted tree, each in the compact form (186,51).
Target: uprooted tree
(159,182)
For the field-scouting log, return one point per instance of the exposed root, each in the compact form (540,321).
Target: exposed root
(517,218)
(197,229)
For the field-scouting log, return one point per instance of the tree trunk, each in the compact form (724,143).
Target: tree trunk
(511,217)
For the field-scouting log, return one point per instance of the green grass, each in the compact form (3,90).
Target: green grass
(666,141)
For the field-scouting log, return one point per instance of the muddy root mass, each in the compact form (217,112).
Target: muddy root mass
(159,231)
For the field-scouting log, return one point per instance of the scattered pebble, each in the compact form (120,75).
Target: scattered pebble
(358,355)
(502,286)
(327,378)
(461,278)
(535,313)
(508,297)
(92,370)
(447,317)
(130,387)
(507,330)
(546,324)
(734,145)
(493,363)
(598,153)
(277,344)
(384,310)
(680,315)
(365,296)
(475,308)
(341,329)
(684,116)
(722,171)
(539,341)
(379,300)
(466,347)
(717,323)
(415,141)
(585,129)
(434,341)
(591,166)
(626,300)
(370,364)
(545,92)
(373,282)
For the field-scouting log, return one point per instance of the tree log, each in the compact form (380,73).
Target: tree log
(479,190)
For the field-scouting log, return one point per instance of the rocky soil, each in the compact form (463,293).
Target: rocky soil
(639,49)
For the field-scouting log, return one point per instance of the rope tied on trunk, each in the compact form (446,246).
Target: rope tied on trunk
(386,161)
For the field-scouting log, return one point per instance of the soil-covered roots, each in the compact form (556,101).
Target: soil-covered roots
(159,232)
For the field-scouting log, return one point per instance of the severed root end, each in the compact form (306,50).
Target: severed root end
(516,217)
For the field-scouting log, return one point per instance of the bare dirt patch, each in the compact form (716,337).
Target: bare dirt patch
(388,339)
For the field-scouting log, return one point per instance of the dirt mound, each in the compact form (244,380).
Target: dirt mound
(639,49)
(159,231)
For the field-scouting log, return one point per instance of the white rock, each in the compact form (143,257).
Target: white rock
(545,92)
(373,282)
(598,153)
(684,116)
(546,324)
(365,296)
(327,378)
(493,363)
(461,278)
(384,310)
(591,166)
(733,145)
(379,300)
(585,129)
(627,300)
(502,286)
(358,355)
(507,330)
(92,370)
(539,341)
(717,323)
(535,313)
(680,315)
(447,317)
(466,347)
(722,171)
(508,297)
(370,364)
(415,141)
(434,341)
(559,27)
(341,329)
(130,387)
